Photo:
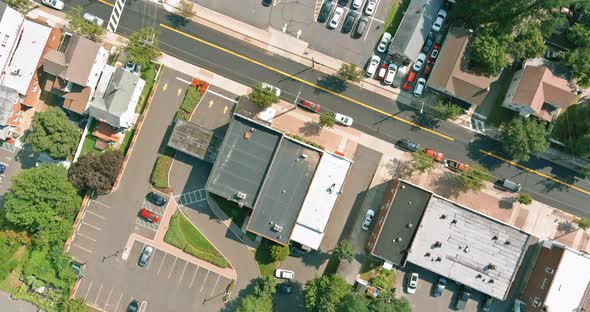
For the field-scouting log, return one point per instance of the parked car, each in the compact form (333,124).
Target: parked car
(93,19)
(391,70)
(419,62)
(419,89)
(349,21)
(56,4)
(509,185)
(368,219)
(343,2)
(409,145)
(325,11)
(372,67)
(286,288)
(356,4)
(463,298)
(382,71)
(272,88)
(551,55)
(399,76)
(409,81)
(148,216)
(286,274)
(360,27)
(296,252)
(2,168)
(130,66)
(384,42)
(370,7)
(428,44)
(440,18)
(133,306)
(427,68)
(156,199)
(456,165)
(309,106)
(336,17)
(413,283)
(487,304)
(440,287)
(438,156)
(343,119)
(435,51)
(145,255)
(266,3)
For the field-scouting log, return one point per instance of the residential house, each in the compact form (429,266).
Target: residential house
(451,75)
(11,24)
(535,90)
(116,97)
(73,71)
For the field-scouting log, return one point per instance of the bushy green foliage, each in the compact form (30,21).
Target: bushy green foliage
(327,120)
(489,53)
(260,300)
(523,137)
(78,25)
(350,72)
(51,265)
(474,179)
(344,251)
(54,133)
(421,162)
(160,172)
(96,173)
(525,199)
(279,252)
(191,99)
(263,98)
(142,47)
(447,110)
(325,293)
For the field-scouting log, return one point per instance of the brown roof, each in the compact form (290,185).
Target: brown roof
(75,64)
(77,99)
(539,85)
(450,70)
(541,278)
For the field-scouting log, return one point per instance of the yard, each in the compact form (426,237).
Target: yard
(148,73)
(264,259)
(89,141)
(160,172)
(376,275)
(394,18)
(182,234)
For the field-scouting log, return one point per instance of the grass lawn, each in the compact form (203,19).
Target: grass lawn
(89,141)
(182,234)
(394,18)
(264,259)
(374,273)
(148,73)
(499,114)
(231,209)
(191,99)
(11,283)
(126,140)
(160,172)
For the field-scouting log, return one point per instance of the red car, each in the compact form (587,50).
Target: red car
(310,106)
(434,54)
(428,68)
(382,71)
(149,216)
(438,156)
(456,166)
(409,81)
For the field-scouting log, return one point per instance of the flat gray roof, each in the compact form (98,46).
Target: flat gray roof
(468,247)
(396,235)
(243,160)
(194,140)
(284,190)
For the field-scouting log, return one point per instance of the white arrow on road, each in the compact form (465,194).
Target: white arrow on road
(298,33)
(285,28)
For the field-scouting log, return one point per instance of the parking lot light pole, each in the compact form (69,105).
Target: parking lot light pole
(422,107)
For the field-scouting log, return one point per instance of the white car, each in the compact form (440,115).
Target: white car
(368,219)
(56,4)
(373,64)
(336,17)
(270,87)
(384,42)
(93,19)
(343,119)
(440,18)
(391,70)
(419,89)
(413,283)
(419,62)
(356,4)
(370,8)
(286,274)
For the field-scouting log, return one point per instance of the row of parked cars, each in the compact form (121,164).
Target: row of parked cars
(351,18)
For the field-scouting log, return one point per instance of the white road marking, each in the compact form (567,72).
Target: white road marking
(368,29)
(80,234)
(145,226)
(119,301)
(95,214)
(180,79)
(222,96)
(213,290)
(92,226)
(193,279)
(88,290)
(173,265)
(163,259)
(204,282)
(108,298)
(183,270)
(90,251)
(99,291)
(104,205)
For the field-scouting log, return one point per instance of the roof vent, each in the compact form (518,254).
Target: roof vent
(399,239)
(495,237)
(491,281)
(241,195)
(303,155)
(277,228)
(403,187)
(507,242)
(252,129)
(437,244)
(438,259)
(454,221)
(466,249)
(410,225)
(283,191)
(478,276)
(409,203)
(444,216)
(427,254)
(491,266)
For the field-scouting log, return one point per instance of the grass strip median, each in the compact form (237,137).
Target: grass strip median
(182,234)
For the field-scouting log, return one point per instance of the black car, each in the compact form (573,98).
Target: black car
(325,11)
(409,145)
(133,306)
(440,287)
(343,2)
(286,288)
(156,199)
(463,298)
(349,21)
(266,3)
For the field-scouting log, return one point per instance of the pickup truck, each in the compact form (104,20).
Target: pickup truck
(456,166)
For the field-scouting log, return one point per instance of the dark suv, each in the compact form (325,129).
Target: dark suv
(325,11)
(409,145)
(156,199)
(463,298)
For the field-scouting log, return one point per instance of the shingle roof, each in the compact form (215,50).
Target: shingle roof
(75,64)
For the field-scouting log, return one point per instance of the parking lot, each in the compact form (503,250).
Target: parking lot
(92,223)
(157,210)
(194,288)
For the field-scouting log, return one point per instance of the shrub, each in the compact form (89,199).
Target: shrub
(160,172)
(525,199)
(279,252)
(306,141)
(191,99)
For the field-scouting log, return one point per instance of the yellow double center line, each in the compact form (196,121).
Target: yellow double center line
(305,82)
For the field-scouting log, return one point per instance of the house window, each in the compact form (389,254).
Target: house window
(537,302)
(5,40)
(549,270)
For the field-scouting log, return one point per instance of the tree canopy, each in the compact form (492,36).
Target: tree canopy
(262,97)
(529,43)
(349,72)
(54,133)
(185,9)
(489,53)
(19,5)
(142,46)
(579,61)
(353,302)
(522,137)
(279,252)
(421,162)
(323,294)
(78,25)
(96,173)
(40,199)
(447,110)
(327,120)
(474,179)
(344,251)
(260,300)
(66,304)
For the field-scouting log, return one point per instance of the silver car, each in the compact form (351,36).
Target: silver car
(145,255)
(93,19)
(368,219)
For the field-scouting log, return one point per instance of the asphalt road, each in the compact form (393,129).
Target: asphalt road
(465,146)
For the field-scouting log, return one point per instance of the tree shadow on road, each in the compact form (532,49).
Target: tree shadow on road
(425,120)
(480,143)
(331,83)
(315,259)
(177,21)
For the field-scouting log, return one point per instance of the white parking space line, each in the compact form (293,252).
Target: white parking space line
(88,290)
(92,226)
(90,251)
(193,279)
(95,214)
(203,286)
(104,205)
(118,302)
(183,270)
(163,259)
(139,222)
(108,298)
(222,96)
(368,29)
(213,290)
(173,265)
(180,79)
(82,235)
(99,291)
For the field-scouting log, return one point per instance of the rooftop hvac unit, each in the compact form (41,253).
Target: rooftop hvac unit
(241,195)
(277,228)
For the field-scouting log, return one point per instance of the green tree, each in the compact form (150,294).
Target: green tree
(421,162)
(142,46)
(525,199)
(395,305)
(260,300)
(40,199)
(522,137)
(78,25)
(587,172)
(583,223)
(474,179)
(66,304)
(447,110)
(344,251)
(327,120)
(349,72)
(489,53)
(324,293)
(528,43)
(96,173)
(353,302)
(53,133)
(279,252)
(263,97)
(185,9)
(579,34)
(579,61)
(19,5)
